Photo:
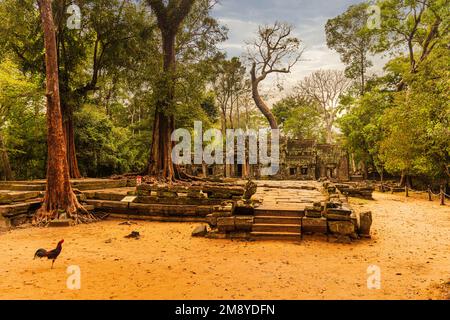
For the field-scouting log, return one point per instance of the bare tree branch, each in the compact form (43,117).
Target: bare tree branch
(274,50)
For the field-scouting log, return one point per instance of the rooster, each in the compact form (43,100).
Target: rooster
(53,254)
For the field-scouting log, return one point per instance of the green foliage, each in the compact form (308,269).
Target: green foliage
(104,149)
(418,125)
(406,131)
(22,122)
(362,128)
(351,37)
(209,107)
(299,118)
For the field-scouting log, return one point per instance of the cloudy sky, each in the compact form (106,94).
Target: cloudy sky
(309,17)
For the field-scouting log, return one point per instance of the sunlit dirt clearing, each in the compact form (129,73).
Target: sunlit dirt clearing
(410,243)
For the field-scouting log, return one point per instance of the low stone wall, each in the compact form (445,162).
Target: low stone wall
(80,184)
(175,202)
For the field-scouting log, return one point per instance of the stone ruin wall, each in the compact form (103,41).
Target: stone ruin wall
(299,160)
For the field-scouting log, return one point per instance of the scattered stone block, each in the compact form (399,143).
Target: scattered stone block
(220,195)
(131,182)
(5,224)
(332,204)
(196,194)
(365,223)
(359,190)
(61,223)
(13,210)
(331,189)
(313,212)
(337,217)
(226,224)
(244,223)
(314,225)
(167,194)
(200,231)
(345,228)
(244,209)
(355,220)
(319,205)
(211,219)
(339,211)
(134,235)
(224,208)
(11,197)
(19,220)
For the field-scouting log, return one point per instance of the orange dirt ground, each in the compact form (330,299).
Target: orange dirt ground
(410,243)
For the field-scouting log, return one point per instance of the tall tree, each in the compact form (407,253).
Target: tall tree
(273,51)
(351,37)
(417,26)
(325,89)
(110,38)
(59,200)
(169,18)
(414,25)
(229,83)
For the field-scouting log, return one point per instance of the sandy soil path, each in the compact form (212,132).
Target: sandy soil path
(411,245)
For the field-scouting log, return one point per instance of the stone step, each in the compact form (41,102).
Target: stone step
(278,212)
(291,236)
(294,228)
(277,220)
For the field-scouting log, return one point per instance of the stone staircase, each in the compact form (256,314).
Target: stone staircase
(277,224)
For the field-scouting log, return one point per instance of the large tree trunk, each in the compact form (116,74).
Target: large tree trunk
(60,200)
(169,16)
(7,172)
(160,162)
(329,132)
(259,101)
(353,162)
(69,136)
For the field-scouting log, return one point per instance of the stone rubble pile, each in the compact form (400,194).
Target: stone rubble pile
(332,217)
(342,221)
(356,190)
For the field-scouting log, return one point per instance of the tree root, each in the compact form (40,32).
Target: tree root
(75,212)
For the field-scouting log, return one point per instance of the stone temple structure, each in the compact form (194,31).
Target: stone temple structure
(299,160)
(309,160)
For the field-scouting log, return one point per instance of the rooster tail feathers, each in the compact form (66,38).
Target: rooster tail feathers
(40,253)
